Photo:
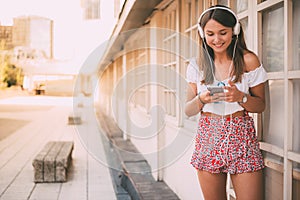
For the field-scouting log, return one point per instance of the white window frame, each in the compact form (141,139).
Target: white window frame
(171,60)
(286,152)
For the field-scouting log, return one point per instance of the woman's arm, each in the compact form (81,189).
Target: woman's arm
(256,98)
(193,104)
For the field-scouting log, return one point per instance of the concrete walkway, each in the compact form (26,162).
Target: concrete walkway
(37,120)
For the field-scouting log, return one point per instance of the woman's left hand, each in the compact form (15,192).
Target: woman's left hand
(233,94)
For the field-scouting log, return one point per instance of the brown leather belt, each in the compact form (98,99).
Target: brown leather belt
(233,115)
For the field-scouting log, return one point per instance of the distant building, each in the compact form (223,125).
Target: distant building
(54,64)
(6,37)
(91,9)
(34,32)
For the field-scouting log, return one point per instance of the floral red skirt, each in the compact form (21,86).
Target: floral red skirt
(227,145)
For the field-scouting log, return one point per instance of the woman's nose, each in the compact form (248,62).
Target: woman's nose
(217,38)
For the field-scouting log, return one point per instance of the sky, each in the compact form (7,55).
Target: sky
(73,37)
(54,9)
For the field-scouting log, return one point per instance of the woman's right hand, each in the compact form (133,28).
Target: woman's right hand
(206,97)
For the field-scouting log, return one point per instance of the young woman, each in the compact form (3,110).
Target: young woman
(226,141)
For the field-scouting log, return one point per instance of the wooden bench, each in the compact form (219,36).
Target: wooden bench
(74,118)
(52,162)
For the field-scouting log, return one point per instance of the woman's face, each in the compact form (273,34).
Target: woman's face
(217,36)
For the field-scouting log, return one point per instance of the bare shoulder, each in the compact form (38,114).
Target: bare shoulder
(251,61)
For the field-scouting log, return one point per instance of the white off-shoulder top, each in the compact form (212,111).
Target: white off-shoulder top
(249,79)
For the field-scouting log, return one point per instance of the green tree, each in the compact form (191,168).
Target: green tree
(9,74)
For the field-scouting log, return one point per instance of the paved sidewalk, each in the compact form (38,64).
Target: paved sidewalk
(41,119)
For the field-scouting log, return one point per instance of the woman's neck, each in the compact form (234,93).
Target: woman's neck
(221,58)
(223,66)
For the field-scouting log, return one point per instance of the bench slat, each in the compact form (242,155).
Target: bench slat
(38,162)
(49,162)
(64,155)
(63,160)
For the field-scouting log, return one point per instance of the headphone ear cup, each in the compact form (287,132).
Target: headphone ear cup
(237,29)
(201,33)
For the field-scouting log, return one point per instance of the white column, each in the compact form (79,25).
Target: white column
(124,71)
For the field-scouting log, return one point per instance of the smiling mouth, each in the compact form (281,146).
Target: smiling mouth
(219,45)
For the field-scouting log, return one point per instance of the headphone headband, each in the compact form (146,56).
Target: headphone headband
(236,28)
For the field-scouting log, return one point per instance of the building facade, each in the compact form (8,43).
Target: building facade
(34,32)
(141,84)
(5,37)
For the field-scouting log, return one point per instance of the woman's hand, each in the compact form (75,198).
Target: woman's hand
(206,97)
(233,94)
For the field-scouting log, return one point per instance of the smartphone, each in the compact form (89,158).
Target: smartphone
(215,89)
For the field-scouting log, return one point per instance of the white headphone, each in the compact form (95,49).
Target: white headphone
(236,28)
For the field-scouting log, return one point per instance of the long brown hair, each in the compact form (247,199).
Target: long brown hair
(207,57)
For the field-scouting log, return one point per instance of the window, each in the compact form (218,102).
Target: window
(281,129)
(190,45)
(273,127)
(244,23)
(141,94)
(296,181)
(296,115)
(273,177)
(273,37)
(223,2)
(171,47)
(241,5)
(296,34)
(192,8)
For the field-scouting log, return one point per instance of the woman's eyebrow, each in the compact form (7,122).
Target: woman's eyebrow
(225,29)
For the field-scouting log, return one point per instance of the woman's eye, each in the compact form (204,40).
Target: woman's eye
(223,33)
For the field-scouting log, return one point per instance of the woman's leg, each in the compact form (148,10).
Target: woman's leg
(248,186)
(213,186)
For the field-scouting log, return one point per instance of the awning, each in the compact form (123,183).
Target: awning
(133,15)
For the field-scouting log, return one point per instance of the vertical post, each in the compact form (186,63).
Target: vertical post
(155,57)
(124,70)
(115,102)
(179,89)
(287,172)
